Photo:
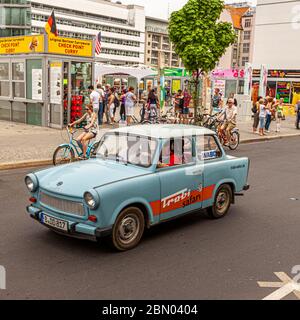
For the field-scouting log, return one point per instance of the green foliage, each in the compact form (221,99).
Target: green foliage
(199,38)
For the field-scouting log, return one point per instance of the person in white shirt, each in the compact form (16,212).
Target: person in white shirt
(94,99)
(129,104)
(230,114)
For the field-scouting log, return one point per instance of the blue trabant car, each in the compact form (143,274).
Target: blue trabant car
(141,176)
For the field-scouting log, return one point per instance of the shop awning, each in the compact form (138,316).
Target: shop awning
(139,72)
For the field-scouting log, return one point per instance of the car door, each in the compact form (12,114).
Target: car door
(209,154)
(181,184)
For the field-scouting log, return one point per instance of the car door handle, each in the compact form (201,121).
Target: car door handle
(194,172)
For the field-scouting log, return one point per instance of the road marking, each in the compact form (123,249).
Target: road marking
(286,287)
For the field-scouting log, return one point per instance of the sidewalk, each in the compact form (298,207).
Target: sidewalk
(24,145)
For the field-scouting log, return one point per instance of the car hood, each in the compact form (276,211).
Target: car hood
(76,178)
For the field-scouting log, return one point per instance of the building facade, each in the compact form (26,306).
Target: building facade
(276,46)
(122,26)
(159,51)
(15,18)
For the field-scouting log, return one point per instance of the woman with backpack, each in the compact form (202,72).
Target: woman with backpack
(256,110)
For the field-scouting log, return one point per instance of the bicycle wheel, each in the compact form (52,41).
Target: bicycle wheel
(234,141)
(93,151)
(63,155)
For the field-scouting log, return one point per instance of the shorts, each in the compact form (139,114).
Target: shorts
(111,110)
(129,110)
(228,126)
(185,110)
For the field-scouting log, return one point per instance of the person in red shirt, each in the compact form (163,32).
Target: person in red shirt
(175,157)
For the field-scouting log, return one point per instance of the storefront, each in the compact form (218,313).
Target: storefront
(229,81)
(44,80)
(283,84)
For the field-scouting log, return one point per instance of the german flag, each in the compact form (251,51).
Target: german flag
(50,26)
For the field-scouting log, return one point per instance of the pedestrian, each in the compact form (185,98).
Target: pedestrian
(297,110)
(216,101)
(94,99)
(279,114)
(122,108)
(152,103)
(130,99)
(269,109)
(116,102)
(179,104)
(186,105)
(262,116)
(106,109)
(101,103)
(111,104)
(256,110)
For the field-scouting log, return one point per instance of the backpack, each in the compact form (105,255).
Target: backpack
(116,101)
(254,109)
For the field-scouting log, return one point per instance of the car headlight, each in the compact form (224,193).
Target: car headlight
(31,183)
(91,198)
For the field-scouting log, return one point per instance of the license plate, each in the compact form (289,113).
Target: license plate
(55,223)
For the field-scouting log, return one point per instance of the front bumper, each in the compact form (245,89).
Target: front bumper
(76,229)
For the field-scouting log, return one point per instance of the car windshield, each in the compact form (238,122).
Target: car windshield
(127,149)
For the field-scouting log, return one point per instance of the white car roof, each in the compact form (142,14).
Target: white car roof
(164,131)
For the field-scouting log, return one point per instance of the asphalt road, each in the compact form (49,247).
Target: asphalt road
(190,258)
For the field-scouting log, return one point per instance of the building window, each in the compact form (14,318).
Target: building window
(246,47)
(247,23)
(234,54)
(247,35)
(18,79)
(4,79)
(244,61)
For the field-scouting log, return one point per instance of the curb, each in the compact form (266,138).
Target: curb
(24,164)
(37,163)
(269,138)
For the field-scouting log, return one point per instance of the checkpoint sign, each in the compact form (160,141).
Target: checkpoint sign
(69,46)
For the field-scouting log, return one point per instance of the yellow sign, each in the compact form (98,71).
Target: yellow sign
(22,44)
(69,46)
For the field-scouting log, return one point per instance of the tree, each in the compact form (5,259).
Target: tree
(199,38)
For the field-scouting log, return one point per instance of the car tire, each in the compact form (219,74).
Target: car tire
(222,202)
(128,229)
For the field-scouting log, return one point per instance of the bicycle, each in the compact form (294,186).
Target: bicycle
(152,117)
(70,152)
(234,141)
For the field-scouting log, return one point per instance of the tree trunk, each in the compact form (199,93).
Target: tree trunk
(196,94)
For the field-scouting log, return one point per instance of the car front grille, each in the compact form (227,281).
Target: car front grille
(67,206)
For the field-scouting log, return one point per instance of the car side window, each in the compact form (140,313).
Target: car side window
(176,152)
(207,148)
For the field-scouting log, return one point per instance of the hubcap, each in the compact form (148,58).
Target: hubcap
(222,202)
(128,229)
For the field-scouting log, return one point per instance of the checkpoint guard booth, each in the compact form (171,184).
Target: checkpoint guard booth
(44,80)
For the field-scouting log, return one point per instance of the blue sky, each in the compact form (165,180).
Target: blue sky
(159,8)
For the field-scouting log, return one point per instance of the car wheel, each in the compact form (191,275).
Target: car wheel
(128,229)
(222,202)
